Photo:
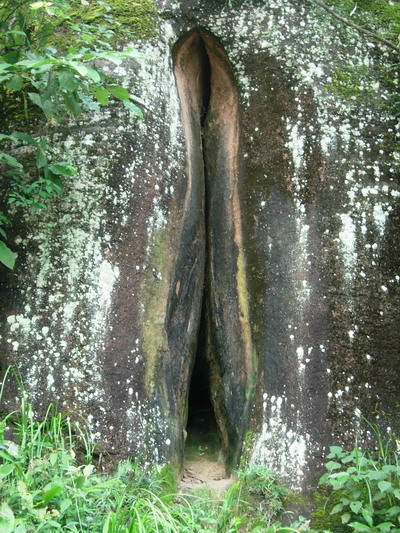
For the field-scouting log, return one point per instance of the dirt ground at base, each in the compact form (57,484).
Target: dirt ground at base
(203,466)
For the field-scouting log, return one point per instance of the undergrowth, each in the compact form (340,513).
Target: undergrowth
(48,485)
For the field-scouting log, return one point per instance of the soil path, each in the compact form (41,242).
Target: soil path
(202,468)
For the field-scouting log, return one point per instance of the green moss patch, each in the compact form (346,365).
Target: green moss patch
(127,19)
(378,15)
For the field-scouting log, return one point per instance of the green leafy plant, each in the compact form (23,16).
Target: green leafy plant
(48,83)
(261,488)
(368,485)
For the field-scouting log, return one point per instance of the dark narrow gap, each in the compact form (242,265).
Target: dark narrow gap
(202,429)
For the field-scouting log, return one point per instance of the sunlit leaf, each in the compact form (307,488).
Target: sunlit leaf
(93,74)
(5,470)
(356,506)
(133,108)
(101,94)
(332,465)
(384,485)
(118,91)
(62,169)
(79,67)
(48,495)
(7,257)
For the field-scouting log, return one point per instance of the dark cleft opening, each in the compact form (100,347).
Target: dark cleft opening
(208,330)
(201,422)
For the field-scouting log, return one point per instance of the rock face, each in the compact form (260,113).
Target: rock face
(252,216)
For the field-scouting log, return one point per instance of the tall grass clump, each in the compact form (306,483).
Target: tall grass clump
(48,484)
(43,486)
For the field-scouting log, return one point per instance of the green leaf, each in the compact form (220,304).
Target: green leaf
(72,104)
(7,519)
(133,109)
(118,91)
(35,97)
(358,526)
(389,468)
(114,57)
(16,32)
(376,474)
(79,481)
(64,505)
(93,74)
(26,63)
(335,451)
(10,160)
(25,137)
(51,493)
(12,56)
(5,470)
(91,104)
(345,518)
(130,52)
(332,465)
(337,509)
(384,485)
(356,506)
(7,137)
(385,526)
(101,94)
(79,67)
(41,159)
(394,511)
(54,183)
(4,66)
(68,81)
(62,169)
(87,38)
(16,83)
(367,516)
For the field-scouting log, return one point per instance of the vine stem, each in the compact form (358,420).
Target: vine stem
(370,34)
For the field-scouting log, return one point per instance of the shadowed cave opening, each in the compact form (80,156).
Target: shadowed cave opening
(202,429)
(201,426)
(215,378)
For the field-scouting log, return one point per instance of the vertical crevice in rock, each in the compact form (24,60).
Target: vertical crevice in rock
(210,116)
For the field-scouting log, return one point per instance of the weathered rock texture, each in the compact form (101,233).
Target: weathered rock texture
(260,191)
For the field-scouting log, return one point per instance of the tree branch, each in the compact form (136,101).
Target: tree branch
(370,34)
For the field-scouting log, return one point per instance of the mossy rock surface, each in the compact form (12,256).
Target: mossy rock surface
(380,14)
(139,17)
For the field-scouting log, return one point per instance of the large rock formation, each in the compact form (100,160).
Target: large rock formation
(252,212)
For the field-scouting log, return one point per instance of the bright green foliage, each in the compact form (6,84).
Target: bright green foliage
(49,482)
(368,486)
(53,85)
